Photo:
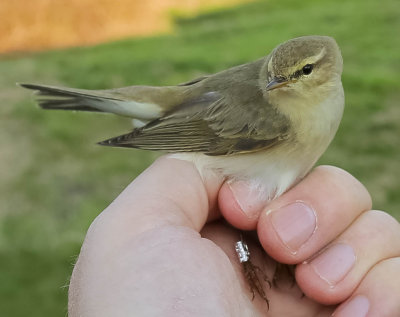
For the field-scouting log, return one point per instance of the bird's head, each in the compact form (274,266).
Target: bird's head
(302,67)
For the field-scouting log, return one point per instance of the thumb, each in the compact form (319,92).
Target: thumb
(130,245)
(169,192)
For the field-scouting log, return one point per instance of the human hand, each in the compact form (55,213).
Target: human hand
(144,255)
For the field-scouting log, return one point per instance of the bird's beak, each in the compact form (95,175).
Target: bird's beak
(277,83)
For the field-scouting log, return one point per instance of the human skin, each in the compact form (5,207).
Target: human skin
(164,248)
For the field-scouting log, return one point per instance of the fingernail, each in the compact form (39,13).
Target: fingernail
(356,307)
(249,197)
(334,263)
(294,224)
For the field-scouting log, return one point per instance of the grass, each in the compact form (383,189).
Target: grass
(55,180)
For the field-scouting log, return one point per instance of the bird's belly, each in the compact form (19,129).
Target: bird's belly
(271,172)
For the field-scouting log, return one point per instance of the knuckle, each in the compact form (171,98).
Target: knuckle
(343,181)
(384,219)
(391,265)
(385,224)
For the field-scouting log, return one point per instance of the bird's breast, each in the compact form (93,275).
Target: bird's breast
(276,169)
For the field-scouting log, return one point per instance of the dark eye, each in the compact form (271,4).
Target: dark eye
(307,69)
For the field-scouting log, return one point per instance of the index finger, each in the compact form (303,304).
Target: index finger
(310,215)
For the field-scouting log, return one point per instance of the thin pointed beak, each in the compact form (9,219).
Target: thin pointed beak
(277,83)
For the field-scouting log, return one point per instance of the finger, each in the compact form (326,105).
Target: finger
(378,293)
(310,215)
(333,275)
(169,198)
(264,267)
(241,203)
(169,192)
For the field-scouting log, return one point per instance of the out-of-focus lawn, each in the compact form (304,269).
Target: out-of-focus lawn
(54,179)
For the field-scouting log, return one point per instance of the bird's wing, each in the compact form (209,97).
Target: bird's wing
(193,81)
(210,124)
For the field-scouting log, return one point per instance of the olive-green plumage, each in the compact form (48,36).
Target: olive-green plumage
(281,105)
(216,115)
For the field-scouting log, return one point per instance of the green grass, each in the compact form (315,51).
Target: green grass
(55,180)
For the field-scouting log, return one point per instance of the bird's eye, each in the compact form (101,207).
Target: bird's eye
(307,69)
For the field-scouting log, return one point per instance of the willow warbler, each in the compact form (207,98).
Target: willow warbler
(266,122)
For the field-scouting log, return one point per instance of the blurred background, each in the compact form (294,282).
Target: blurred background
(54,180)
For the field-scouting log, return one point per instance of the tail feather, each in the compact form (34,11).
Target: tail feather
(65,104)
(51,97)
(111,101)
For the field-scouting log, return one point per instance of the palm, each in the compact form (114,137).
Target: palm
(201,280)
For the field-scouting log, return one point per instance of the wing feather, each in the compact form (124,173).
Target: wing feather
(214,128)
(229,116)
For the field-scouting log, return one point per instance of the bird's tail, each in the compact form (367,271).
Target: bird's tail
(57,98)
(60,98)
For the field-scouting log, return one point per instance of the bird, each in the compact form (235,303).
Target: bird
(265,122)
